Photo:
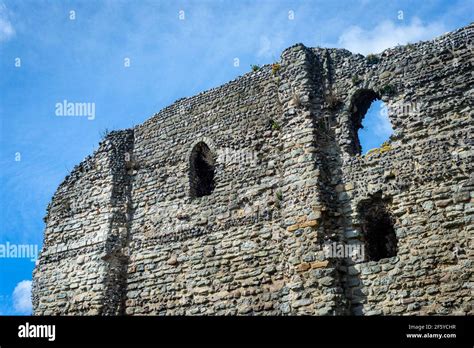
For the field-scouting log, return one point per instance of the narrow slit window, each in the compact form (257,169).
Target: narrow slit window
(202,171)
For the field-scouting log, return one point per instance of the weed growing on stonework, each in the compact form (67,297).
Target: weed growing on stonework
(275,125)
(275,68)
(356,80)
(255,67)
(388,90)
(278,198)
(332,100)
(372,59)
(104,133)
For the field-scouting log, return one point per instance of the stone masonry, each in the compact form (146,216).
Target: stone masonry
(224,203)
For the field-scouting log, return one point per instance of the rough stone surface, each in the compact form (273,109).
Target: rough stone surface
(124,236)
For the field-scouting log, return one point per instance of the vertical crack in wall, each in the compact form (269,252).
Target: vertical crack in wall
(311,276)
(329,164)
(116,254)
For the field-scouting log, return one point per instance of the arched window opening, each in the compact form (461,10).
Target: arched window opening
(202,170)
(377,229)
(370,121)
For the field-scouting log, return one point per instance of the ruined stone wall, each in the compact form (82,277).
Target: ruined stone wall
(214,254)
(80,234)
(126,235)
(424,173)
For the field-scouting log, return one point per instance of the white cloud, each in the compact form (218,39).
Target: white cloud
(271,48)
(386,34)
(6,29)
(22,297)
(265,46)
(383,127)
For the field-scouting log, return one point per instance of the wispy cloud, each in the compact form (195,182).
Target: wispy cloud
(271,47)
(377,127)
(170,58)
(22,297)
(6,29)
(387,34)
(382,126)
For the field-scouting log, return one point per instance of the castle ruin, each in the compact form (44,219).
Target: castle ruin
(225,203)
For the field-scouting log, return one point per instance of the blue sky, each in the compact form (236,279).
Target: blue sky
(82,60)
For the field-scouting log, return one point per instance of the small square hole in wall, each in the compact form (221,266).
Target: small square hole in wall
(377,228)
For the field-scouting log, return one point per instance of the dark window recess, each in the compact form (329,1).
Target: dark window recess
(202,170)
(377,228)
